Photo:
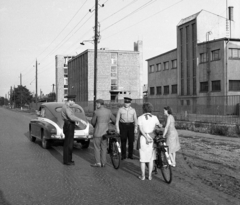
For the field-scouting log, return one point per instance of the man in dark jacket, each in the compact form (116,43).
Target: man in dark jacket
(68,129)
(100,121)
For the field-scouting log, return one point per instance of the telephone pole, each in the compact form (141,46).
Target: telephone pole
(95,54)
(36,100)
(21,88)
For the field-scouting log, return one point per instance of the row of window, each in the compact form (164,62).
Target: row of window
(216,86)
(215,55)
(162,66)
(234,85)
(166,90)
(114,71)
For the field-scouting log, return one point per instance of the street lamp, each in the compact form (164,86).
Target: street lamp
(90,41)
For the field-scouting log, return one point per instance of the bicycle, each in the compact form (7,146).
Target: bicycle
(114,148)
(162,157)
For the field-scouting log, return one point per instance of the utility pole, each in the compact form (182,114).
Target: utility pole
(95,54)
(21,88)
(53,91)
(11,97)
(36,100)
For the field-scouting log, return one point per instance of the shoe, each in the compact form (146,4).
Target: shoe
(173,165)
(72,162)
(130,157)
(69,163)
(141,177)
(150,178)
(123,158)
(103,165)
(96,165)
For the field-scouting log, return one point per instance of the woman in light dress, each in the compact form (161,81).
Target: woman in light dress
(146,124)
(171,134)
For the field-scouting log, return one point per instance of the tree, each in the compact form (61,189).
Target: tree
(21,96)
(51,97)
(3,101)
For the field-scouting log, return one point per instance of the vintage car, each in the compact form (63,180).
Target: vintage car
(48,126)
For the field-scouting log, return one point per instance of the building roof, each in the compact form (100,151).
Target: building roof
(189,18)
(220,39)
(161,54)
(194,16)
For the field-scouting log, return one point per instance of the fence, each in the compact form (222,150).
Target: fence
(215,109)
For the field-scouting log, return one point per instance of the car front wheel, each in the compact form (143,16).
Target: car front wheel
(45,142)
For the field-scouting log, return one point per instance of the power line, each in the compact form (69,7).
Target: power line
(118,10)
(66,37)
(63,28)
(138,9)
(144,19)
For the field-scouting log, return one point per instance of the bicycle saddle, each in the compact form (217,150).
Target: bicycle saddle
(111,132)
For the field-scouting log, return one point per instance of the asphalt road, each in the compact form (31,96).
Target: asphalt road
(32,175)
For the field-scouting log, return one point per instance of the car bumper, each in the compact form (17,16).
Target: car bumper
(77,137)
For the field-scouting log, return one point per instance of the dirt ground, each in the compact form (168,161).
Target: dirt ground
(210,166)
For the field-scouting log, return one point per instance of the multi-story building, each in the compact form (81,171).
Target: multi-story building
(205,63)
(119,74)
(61,71)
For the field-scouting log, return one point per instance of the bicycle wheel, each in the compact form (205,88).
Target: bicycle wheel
(115,155)
(165,168)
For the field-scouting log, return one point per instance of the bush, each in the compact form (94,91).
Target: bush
(219,130)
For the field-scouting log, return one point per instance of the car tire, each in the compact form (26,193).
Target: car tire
(45,142)
(85,144)
(33,139)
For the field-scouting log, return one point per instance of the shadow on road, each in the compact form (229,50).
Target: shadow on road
(3,201)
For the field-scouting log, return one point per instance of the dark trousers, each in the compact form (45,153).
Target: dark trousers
(127,134)
(68,130)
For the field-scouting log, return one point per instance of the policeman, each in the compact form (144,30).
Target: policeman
(126,125)
(68,128)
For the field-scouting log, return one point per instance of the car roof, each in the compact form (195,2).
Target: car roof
(52,105)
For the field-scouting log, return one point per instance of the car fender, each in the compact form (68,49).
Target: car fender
(49,124)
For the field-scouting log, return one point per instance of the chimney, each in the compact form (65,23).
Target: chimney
(230,13)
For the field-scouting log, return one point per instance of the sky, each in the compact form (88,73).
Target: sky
(33,30)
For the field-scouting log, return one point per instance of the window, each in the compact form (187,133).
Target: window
(216,55)
(204,87)
(113,69)
(234,85)
(203,57)
(65,81)
(166,90)
(216,85)
(174,64)
(166,65)
(234,53)
(113,84)
(174,89)
(151,69)
(152,91)
(188,102)
(65,92)
(159,90)
(159,67)
(114,58)
(65,71)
